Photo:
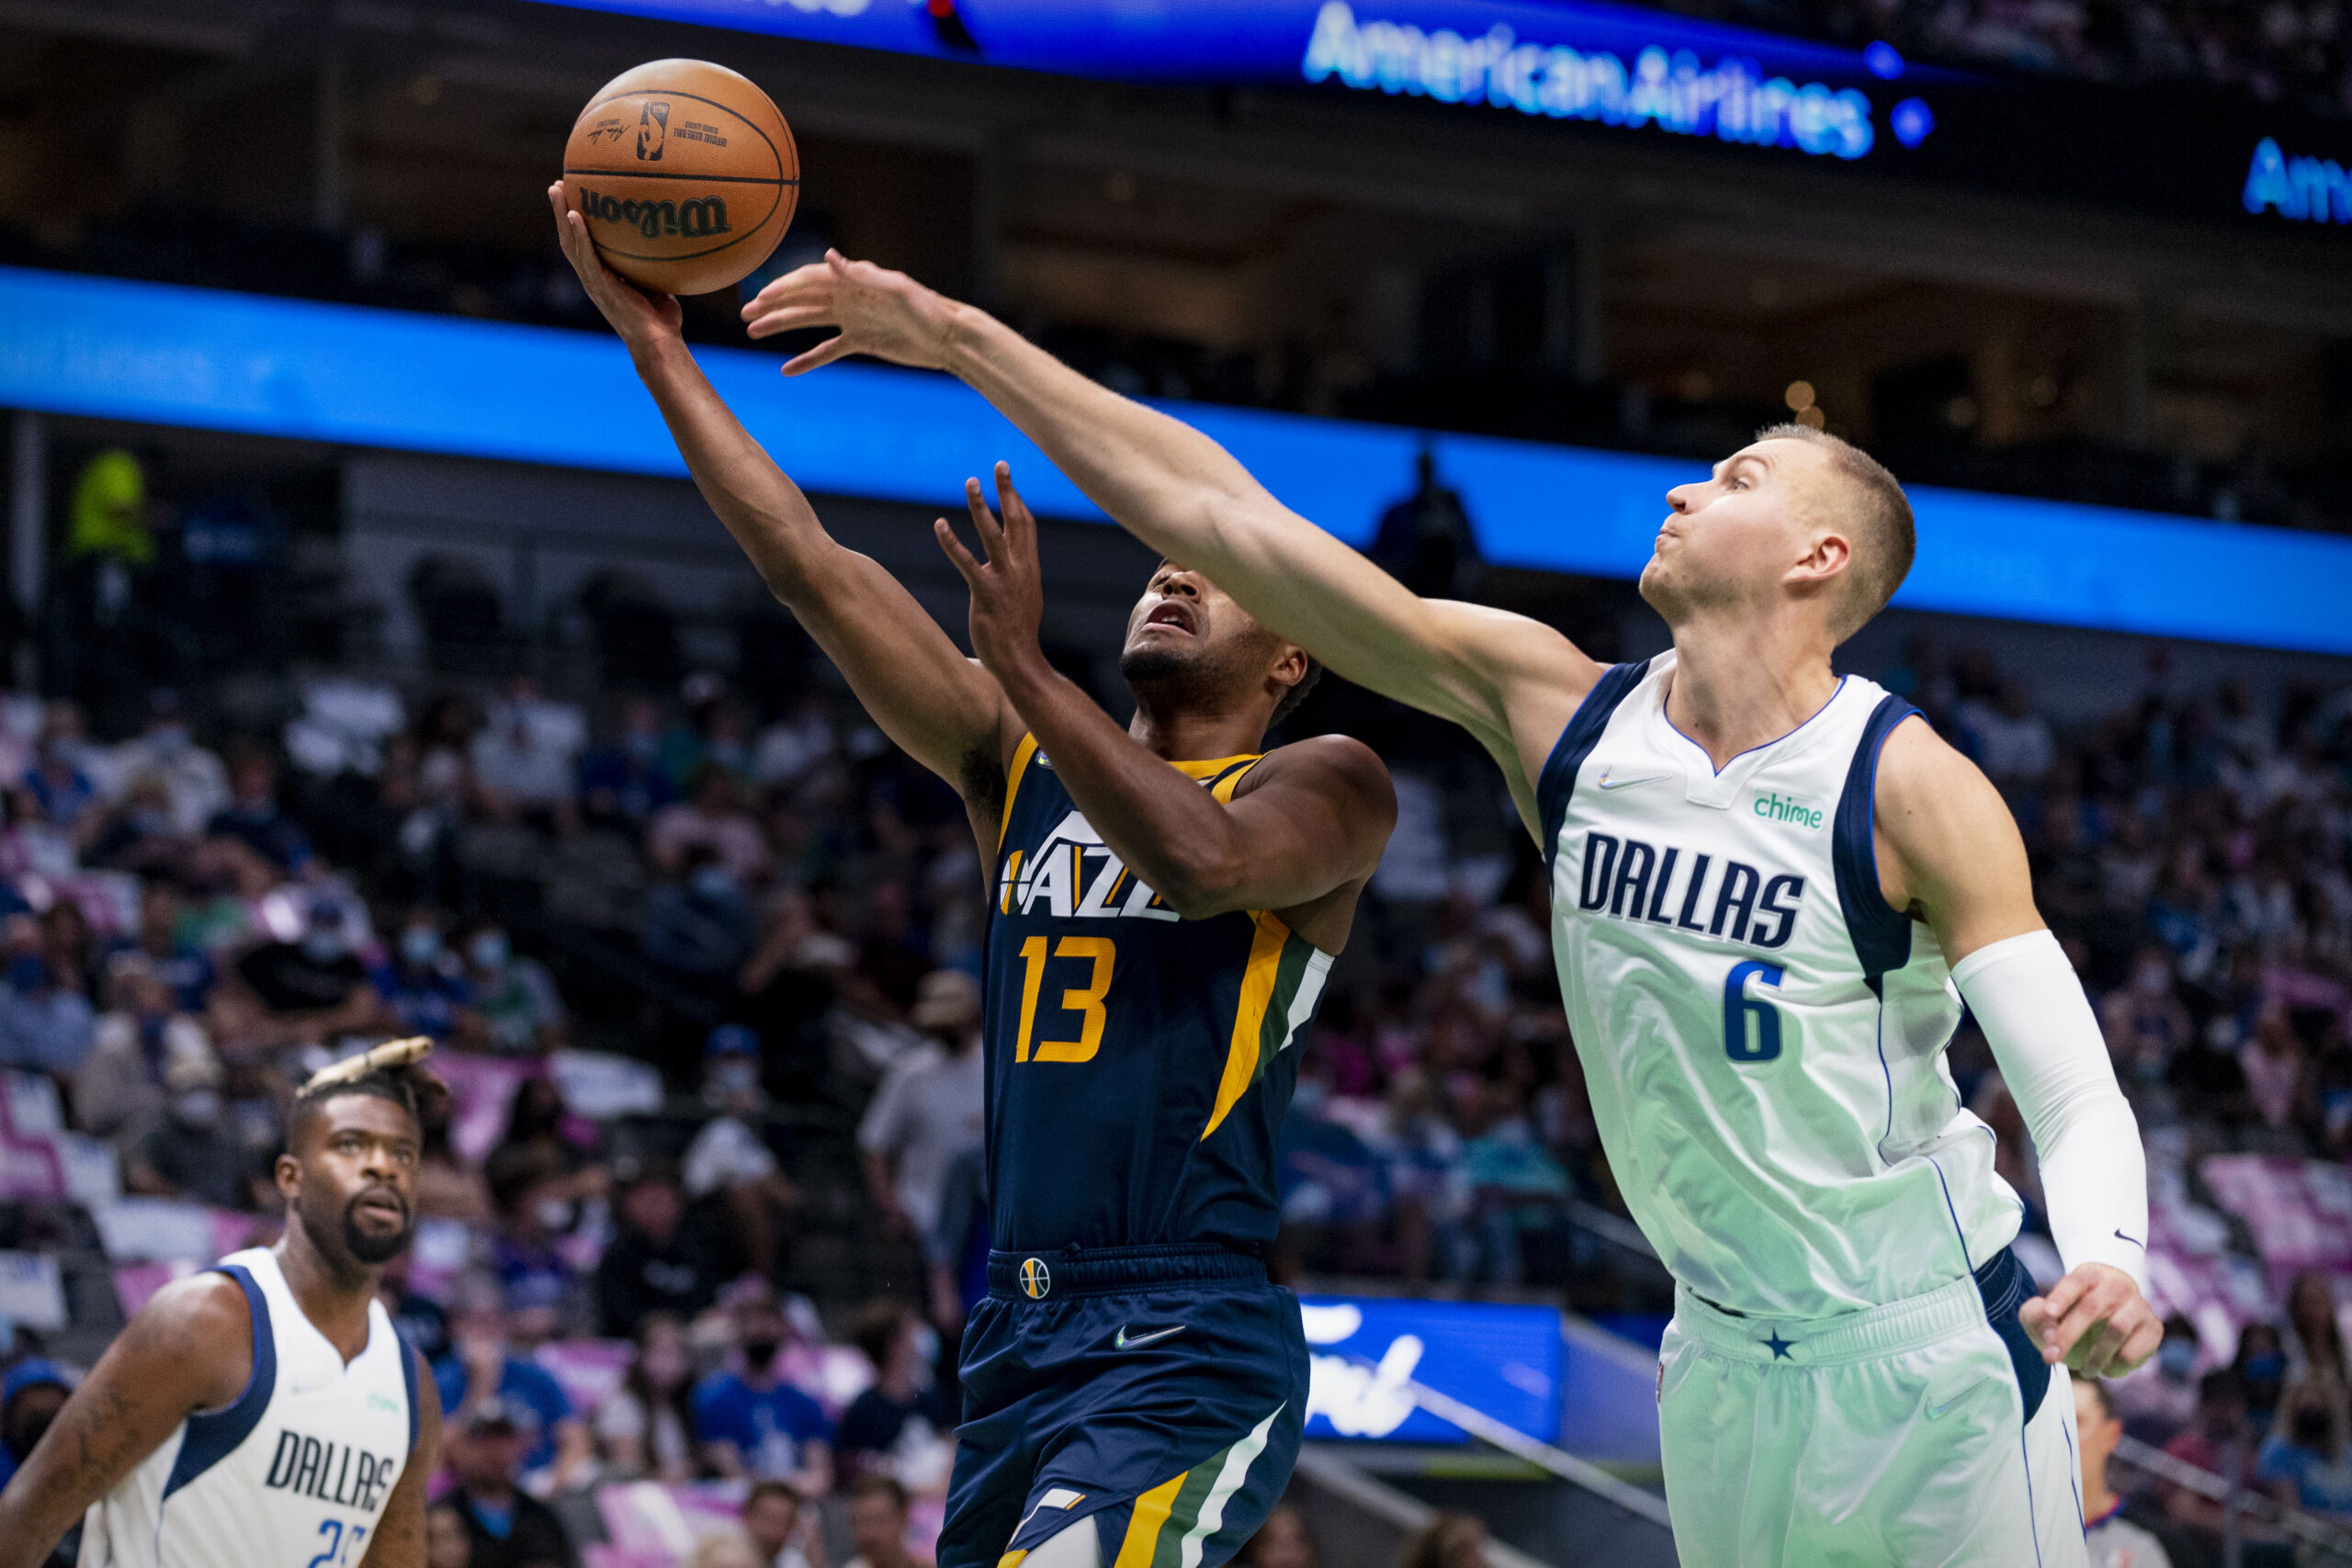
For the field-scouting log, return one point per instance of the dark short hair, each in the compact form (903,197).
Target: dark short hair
(1883,512)
(761,1490)
(1297,693)
(409,1088)
(876,1325)
(875,1485)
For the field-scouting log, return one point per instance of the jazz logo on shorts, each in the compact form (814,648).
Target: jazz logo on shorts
(1035,1279)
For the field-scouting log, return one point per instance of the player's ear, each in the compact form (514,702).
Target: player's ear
(287,1173)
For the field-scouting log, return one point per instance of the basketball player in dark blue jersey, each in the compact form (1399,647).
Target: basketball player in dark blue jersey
(1167,900)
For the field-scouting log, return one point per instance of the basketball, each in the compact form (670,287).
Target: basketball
(686,172)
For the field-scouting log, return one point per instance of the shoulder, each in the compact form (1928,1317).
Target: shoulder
(1339,764)
(1925,789)
(804,1414)
(718,1390)
(206,1312)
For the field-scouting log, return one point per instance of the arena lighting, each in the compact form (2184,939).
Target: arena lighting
(163,354)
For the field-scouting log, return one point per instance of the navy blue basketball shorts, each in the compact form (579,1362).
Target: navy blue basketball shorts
(1159,1391)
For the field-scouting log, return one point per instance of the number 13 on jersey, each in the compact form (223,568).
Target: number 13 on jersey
(1085,1001)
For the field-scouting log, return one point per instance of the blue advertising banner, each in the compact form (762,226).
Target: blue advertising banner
(1609,64)
(163,354)
(1500,1359)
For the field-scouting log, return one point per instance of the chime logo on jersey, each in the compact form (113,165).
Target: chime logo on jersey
(331,1472)
(1630,880)
(1070,875)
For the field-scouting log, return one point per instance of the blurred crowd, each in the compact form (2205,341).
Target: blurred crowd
(2279,51)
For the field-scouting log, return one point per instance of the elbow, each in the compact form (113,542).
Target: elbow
(1201,884)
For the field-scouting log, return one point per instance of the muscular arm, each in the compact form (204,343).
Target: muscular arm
(1949,854)
(189,1349)
(1511,682)
(1309,820)
(939,707)
(399,1541)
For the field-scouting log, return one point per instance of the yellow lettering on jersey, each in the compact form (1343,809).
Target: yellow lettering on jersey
(1087,1001)
(1095,905)
(1033,954)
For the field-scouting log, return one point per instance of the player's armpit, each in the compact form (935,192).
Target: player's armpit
(1947,850)
(189,1349)
(399,1538)
(1311,819)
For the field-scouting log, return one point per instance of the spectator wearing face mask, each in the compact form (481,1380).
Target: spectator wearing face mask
(194,780)
(2161,1395)
(2261,1367)
(538,1208)
(2304,1464)
(623,784)
(899,1425)
(518,1011)
(749,1422)
(645,1428)
(311,989)
(423,983)
(698,923)
(193,1154)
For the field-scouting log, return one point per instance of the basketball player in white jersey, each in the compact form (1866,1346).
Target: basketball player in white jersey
(1771,892)
(263,1413)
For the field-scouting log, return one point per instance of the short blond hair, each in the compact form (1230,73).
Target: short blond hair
(1881,513)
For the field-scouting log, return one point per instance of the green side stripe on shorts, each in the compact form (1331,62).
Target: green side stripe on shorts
(1185,1511)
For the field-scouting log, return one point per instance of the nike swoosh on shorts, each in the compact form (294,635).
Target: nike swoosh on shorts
(1123,1343)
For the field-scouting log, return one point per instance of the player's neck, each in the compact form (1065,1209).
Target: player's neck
(335,1301)
(1745,683)
(2097,1498)
(1196,735)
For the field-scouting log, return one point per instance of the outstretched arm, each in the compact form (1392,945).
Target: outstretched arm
(1313,820)
(1948,851)
(1510,680)
(943,709)
(189,1349)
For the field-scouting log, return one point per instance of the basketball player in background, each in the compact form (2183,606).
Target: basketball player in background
(1168,898)
(1767,884)
(264,1411)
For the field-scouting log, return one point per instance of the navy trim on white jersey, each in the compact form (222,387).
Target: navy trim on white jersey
(1582,733)
(408,1376)
(212,1435)
(1882,933)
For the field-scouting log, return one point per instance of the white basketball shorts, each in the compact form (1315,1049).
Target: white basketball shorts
(1916,1434)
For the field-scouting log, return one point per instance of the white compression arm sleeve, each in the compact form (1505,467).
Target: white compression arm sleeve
(2054,1059)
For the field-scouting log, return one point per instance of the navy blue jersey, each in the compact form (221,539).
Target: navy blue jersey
(1138,1064)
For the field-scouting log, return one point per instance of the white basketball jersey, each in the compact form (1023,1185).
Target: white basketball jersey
(1762,1034)
(294,1475)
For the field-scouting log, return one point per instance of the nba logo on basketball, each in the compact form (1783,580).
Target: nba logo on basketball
(652,130)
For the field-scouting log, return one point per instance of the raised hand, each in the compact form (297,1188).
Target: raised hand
(881,312)
(1008,597)
(2095,1321)
(639,317)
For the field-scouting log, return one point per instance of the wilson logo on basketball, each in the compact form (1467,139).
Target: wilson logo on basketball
(696,217)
